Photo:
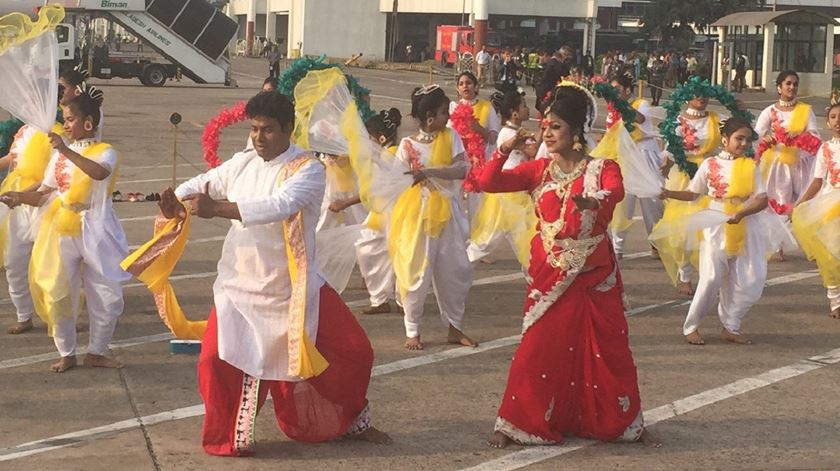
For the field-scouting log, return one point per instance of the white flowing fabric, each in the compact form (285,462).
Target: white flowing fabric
(641,178)
(335,254)
(29,74)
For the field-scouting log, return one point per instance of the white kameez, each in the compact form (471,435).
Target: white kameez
(476,251)
(350,216)
(786,183)
(448,270)
(92,259)
(652,208)
(738,281)
(253,288)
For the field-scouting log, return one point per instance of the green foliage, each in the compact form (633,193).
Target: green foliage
(8,129)
(673,19)
(694,87)
(610,93)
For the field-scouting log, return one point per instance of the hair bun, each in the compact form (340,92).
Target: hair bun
(392,118)
(91,92)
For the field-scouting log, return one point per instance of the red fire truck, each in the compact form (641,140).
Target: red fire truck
(455,41)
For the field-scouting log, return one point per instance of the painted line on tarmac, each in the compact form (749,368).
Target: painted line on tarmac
(533,455)
(514,460)
(153,180)
(166,166)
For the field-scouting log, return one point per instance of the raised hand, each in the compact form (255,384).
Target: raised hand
(169,205)
(201,204)
(57,142)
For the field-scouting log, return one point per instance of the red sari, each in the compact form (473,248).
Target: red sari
(573,371)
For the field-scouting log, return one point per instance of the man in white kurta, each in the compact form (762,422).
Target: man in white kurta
(267,192)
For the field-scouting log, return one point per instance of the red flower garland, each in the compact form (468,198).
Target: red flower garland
(462,119)
(213,131)
(804,141)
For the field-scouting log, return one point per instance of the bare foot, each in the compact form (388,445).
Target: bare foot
(99,361)
(740,339)
(457,337)
(498,440)
(685,288)
(373,435)
(19,327)
(835,313)
(694,338)
(64,364)
(778,256)
(383,308)
(654,254)
(487,261)
(413,343)
(649,440)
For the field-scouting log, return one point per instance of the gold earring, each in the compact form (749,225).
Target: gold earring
(577,146)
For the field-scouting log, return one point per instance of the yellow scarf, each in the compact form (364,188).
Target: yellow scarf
(785,154)
(712,140)
(637,133)
(376,221)
(340,173)
(741,187)
(48,280)
(413,219)
(481,111)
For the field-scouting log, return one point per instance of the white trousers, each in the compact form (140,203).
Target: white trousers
(103,296)
(375,265)
(449,273)
(833,295)
(652,209)
(685,273)
(476,252)
(18,252)
(737,281)
(786,183)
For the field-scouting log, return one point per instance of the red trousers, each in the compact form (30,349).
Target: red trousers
(316,410)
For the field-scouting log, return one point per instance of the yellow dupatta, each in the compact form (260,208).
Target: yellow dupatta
(712,140)
(481,111)
(740,189)
(154,261)
(785,154)
(48,279)
(414,218)
(637,134)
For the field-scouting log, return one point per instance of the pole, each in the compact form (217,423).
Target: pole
(463,11)
(174,119)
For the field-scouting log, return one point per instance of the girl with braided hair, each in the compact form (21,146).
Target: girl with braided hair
(80,242)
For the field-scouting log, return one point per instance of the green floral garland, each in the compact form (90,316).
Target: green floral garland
(8,129)
(289,79)
(611,94)
(694,87)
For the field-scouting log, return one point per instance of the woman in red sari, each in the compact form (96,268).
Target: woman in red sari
(573,371)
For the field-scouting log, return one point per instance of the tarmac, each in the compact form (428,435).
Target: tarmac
(769,406)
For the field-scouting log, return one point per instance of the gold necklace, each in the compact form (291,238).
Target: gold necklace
(549,230)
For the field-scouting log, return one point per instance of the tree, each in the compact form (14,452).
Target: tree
(220,4)
(676,20)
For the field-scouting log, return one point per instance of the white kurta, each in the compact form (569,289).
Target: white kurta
(786,183)
(91,260)
(253,288)
(738,281)
(448,270)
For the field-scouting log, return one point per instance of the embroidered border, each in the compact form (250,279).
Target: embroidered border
(243,440)
(519,436)
(591,185)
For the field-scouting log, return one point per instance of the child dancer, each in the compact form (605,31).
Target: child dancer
(372,246)
(80,243)
(816,220)
(507,215)
(428,231)
(644,137)
(732,255)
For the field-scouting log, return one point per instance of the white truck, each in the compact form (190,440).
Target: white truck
(168,38)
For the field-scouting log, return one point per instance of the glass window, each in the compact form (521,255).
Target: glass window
(62,33)
(800,47)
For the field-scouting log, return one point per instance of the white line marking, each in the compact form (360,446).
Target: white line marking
(139,218)
(153,180)
(533,455)
(161,166)
(125,343)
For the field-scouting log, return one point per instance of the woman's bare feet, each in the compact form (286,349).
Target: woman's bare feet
(373,435)
(487,261)
(649,440)
(99,361)
(778,256)
(383,308)
(413,343)
(685,288)
(458,338)
(64,364)
(19,327)
(694,338)
(740,339)
(498,440)
(835,313)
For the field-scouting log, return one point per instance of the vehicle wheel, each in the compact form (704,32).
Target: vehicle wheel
(154,76)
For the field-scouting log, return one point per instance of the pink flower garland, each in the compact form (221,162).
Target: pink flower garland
(462,122)
(213,131)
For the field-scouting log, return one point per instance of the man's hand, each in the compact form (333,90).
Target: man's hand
(169,205)
(201,204)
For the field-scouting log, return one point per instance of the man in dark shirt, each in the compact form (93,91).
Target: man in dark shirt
(554,70)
